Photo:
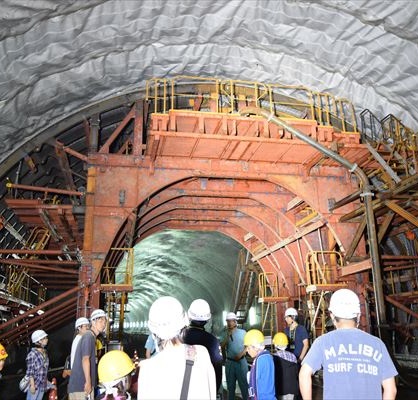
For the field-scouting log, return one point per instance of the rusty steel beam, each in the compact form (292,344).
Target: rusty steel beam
(65,166)
(402,307)
(71,152)
(402,212)
(40,307)
(300,233)
(398,257)
(43,189)
(39,261)
(38,252)
(355,267)
(356,239)
(105,148)
(33,266)
(46,319)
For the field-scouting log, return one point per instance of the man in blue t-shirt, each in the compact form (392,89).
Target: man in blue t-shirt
(297,334)
(356,365)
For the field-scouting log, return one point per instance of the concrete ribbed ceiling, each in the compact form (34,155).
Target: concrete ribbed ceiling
(58,57)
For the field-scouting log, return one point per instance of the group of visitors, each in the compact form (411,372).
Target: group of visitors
(272,376)
(355,364)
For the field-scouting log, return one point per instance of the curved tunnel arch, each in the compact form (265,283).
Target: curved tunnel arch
(160,210)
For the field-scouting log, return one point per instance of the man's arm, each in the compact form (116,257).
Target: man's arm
(305,382)
(304,349)
(86,370)
(147,353)
(389,389)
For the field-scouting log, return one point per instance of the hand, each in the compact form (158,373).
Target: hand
(32,389)
(87,388)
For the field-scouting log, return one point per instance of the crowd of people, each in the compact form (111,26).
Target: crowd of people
(355,364)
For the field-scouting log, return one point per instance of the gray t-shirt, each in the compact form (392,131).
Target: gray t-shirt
(354,362)
(86,347)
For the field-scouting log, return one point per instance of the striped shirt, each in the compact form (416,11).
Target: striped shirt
(37,364)
(286,355)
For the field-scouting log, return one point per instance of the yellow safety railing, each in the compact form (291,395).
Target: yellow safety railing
(396,132)
(268,285)
(321,267)
(228,96)
(123,274)
(19,281)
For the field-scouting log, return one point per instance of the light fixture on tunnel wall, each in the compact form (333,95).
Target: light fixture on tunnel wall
(223,317)
(252,317)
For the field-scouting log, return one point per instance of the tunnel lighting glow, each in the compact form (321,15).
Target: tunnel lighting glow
(224,316)
(252,316)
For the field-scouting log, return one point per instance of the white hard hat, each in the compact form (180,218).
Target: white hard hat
(38,335)
(291,312)
(231,316)
(199,310)
(344,304)
(81,321)
(167,317)
(97,314)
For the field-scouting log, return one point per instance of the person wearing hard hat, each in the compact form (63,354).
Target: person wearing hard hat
(82,325)
(356,365)
(3,356)
(37,363)
(199,314)
(261,376)
(236,366)
(83,374)
(177,370)
(150,349)
(285,369)
(114,373)
(297,334)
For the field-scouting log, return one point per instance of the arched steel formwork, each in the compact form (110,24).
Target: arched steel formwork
(187,159)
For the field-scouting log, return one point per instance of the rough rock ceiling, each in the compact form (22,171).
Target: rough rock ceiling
(58,56)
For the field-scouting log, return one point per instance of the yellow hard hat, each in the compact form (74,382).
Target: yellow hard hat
(280,339)
(114,365)
(253,337)
(3,352)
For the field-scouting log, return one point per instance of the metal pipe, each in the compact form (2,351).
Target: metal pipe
(366,194)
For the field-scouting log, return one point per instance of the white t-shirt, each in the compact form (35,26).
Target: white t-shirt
(73,349)
(161,377)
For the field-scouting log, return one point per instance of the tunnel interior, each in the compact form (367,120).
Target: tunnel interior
(187,265)
(87,90)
